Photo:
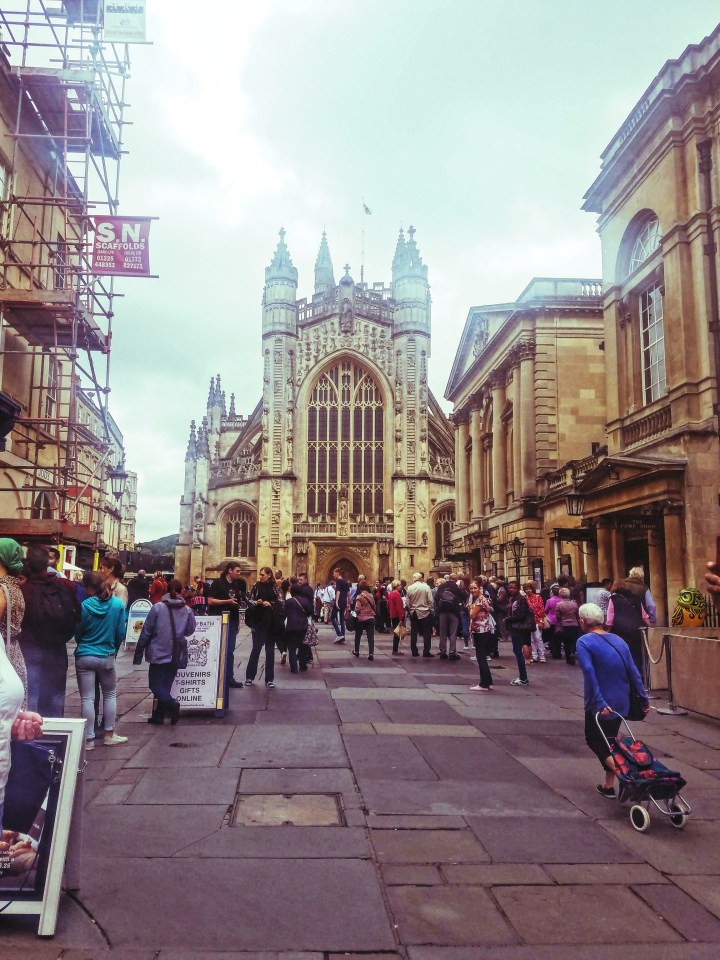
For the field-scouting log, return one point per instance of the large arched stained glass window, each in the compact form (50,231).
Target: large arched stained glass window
(240,534)
(345,442)
(443,527)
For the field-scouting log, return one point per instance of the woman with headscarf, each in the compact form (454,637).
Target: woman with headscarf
(12,606)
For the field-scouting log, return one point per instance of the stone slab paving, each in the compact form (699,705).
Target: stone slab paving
(468,827)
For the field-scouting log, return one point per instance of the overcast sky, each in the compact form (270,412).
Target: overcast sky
(481,122)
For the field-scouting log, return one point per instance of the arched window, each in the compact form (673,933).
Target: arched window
(646,243)
(345,441)
(443,525)
(240,534)
(42,507)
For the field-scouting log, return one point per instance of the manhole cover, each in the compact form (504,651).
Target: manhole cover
(297,809)
(184,746)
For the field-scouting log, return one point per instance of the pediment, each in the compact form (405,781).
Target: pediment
(612,470)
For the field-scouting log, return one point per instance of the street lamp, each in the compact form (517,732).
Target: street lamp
(516,546)
(117,477)
(574,503)
(436,562)
(488,551)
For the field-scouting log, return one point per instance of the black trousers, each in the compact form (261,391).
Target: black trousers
(424,627)
(594,739)
(483,647)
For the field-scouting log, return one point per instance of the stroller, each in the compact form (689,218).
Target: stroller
(643,780)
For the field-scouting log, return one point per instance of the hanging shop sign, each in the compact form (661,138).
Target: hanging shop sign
(201,685)
(124,22)
(41,823)
(137,615)
(121,247)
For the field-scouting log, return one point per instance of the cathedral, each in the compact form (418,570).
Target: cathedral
(347,460)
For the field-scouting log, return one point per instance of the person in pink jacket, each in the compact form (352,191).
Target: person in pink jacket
(396,612)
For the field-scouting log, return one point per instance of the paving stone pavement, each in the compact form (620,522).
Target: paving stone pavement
(448,825)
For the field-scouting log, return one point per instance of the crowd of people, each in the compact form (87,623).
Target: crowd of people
(41,611)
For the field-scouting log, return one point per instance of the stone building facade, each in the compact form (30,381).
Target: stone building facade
(347,460)
(528,394)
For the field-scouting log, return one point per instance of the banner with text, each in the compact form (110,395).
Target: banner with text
(121,247)
(124,21)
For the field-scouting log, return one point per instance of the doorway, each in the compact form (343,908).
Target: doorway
(637,555)
(347,568)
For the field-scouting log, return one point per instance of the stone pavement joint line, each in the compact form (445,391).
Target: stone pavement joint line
(382,811)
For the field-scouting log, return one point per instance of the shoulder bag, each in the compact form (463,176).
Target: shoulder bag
(636,712)
(12,648)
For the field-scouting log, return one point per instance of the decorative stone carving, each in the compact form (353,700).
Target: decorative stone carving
(482,333)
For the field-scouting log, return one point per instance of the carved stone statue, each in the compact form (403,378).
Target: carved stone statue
(346,316)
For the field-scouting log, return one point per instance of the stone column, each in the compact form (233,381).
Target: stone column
(477,484)
(462,492)
(617,554)
(605,564)
(499,454)
(656,556)
(675,578)
(528,460)
(517,434)
(591,563)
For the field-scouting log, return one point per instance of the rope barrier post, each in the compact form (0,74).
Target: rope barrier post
(647,660)
(671,710)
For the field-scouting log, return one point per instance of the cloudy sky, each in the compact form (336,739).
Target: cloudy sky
(480,122)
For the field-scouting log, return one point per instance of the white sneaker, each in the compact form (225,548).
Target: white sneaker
(115,740)
(89,745)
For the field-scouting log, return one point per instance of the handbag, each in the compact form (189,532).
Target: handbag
(636,711)
(253,616)
(311,635)
(401,631)
(12,649)
(545,624)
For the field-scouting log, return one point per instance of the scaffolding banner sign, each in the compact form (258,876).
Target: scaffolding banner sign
(122,247)
(124,22)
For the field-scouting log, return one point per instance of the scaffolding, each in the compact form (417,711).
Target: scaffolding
(62,90)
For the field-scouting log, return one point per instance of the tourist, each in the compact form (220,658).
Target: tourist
(225,595)
(448,600)
(268,605)
(138,588)
(317,602)
(568,625)
(520,623)
(609,673)
(163,642)
(328,601)
(52,612)
(420,608)
(99,635)
(464,620)
(626,616)
(298,607)
(365,618)
(342,589)
(554,637)
(538,608)
(12,607)
(158,588)
(604,594)
(482,633)
(396,612)
(111,570)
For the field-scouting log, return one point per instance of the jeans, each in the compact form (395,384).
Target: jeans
(424,627)
(261,638)
(161,677)
(232,633)
(338,621)
(369,627)
(298,652)
(47,676)
(520,639)
(538,647)
(483,645)
(87,668)
(464,627)
(448,631)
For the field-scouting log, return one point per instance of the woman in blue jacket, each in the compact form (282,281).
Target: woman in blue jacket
(609,674)
(98,636)
(164,642)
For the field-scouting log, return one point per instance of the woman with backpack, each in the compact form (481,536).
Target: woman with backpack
(449,600)
(98,636)
(298,607)
(626,616)
(164,642)
(365,618)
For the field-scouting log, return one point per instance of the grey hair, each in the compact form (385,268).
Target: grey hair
(564,593)
(591,615)
(637,572)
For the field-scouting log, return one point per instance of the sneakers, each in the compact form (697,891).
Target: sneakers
(517,682)
(339,640)
(270,683)
(478,689)
(89,745)
(115,740)
(607,792)
(283,658)
(249,683)
(466,646)
(542,660)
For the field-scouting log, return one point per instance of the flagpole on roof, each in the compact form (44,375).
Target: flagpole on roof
(366,212)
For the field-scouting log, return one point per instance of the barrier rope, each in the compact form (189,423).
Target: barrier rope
(647,648)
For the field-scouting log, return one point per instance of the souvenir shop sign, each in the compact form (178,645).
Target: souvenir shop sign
(122,247)
(201,686)
(41,822)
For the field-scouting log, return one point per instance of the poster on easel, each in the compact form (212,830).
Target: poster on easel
(137,615)
(40,822)
(201,685)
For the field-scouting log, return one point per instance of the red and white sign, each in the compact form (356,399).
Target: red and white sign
(122,246)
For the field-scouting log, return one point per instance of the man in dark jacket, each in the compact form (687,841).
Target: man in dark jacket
(448,600)
(52,612)
(138,588)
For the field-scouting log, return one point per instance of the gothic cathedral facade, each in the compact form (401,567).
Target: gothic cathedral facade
(348,459)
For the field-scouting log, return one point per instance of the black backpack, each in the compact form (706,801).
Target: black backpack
(448,601)
(53,611)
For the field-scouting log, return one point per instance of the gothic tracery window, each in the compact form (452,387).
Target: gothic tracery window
(443,525)
(240,534)
(345,442)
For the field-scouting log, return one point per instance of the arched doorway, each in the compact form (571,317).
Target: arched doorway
(347,568)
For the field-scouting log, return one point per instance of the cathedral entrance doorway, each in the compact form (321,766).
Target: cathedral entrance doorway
(347,568)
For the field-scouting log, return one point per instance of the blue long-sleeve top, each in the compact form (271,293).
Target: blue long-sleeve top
(608,671)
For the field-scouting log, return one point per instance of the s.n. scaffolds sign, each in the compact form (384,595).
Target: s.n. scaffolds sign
(124,21)
(121,247)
